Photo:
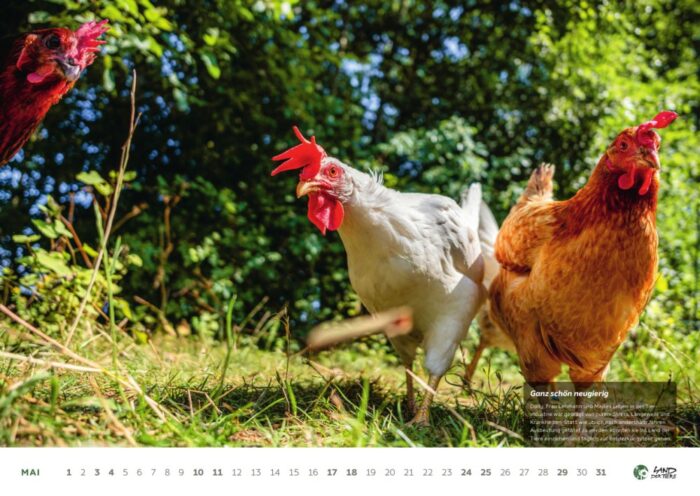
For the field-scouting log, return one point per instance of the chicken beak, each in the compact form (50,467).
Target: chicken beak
(650,158)
(306,187)
(70,69)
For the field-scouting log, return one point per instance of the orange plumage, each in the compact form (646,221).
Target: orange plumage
(575,275)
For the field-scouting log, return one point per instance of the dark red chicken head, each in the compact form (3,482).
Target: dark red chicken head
(59,54)
(322,178)
(635,153)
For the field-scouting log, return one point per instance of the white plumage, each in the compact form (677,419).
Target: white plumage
(419,250)
(403,249)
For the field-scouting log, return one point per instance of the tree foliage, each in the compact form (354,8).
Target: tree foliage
(434,94)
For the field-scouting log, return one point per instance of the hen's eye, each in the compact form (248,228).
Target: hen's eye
(333,172)
(52,42)
(624,146)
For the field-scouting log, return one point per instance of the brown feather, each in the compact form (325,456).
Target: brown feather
(575,274)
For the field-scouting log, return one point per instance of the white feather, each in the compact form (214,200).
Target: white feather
(418,250)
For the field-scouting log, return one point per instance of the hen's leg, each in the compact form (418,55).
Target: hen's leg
(540,371)
(444,335)
(410,393)
(583,380)
(406,347)
(487,329)
(550,427)
(422,417)
(469,373)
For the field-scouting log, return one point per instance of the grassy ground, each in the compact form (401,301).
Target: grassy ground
(171,392)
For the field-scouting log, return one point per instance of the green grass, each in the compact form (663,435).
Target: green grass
(353,396)
(339,398)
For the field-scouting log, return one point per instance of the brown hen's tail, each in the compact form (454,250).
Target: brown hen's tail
(539,187)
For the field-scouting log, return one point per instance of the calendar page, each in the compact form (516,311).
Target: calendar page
(319,247)
(347,471)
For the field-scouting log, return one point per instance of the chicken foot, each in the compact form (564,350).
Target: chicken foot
(422,417)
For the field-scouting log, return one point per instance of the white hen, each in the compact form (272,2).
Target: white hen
(411,249)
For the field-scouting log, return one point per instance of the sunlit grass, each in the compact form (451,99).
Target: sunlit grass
(352,396)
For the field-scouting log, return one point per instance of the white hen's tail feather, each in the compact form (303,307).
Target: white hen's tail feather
(471,199)
(488,231)
(491,334)
(482,221)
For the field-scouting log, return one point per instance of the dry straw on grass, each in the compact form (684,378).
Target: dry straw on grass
(86,365)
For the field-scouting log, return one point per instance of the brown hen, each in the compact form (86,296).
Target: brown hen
(576,274)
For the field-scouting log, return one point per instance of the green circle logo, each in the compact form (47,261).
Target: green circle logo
(641,472)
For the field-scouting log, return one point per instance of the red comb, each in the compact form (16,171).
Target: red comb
(661,120)
(88,42)
(307,155)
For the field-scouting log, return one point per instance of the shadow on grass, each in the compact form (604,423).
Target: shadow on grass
(344,413)
(48,410)
(356,413)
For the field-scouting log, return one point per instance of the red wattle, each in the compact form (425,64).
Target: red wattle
(325,212)
(626,180)
(647,175)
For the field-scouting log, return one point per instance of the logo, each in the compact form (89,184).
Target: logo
(641,472)
(664,473)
